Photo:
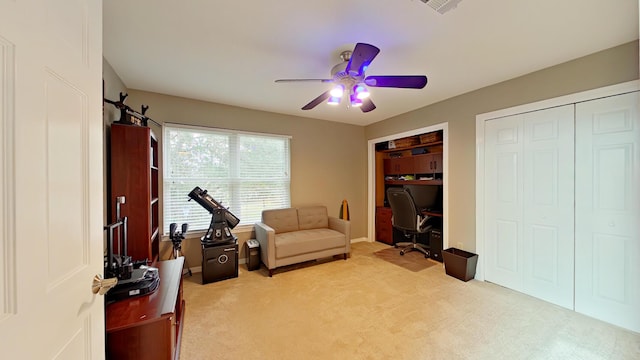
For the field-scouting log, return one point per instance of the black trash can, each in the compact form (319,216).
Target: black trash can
(252,251)
(460,264)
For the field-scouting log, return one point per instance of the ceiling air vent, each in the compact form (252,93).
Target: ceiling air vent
(442,6)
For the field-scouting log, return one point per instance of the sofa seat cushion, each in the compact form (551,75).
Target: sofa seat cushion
(307,241)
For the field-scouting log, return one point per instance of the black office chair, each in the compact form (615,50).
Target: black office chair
(406,217)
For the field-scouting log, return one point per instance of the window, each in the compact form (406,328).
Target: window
(246,172)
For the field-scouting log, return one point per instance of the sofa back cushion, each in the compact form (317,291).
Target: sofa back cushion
(281,220)
(313,217)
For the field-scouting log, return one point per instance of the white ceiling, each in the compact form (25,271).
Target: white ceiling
(230,52)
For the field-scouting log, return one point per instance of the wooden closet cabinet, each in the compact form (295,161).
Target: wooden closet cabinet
(398,166)
(134,175)
(428,163)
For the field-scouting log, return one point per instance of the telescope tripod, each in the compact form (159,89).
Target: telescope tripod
(176,240)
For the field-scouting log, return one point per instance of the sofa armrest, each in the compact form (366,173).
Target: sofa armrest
(343,226)
(266,236)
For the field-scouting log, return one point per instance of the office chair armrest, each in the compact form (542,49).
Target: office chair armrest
(266,236)
(342,226)
(422,224)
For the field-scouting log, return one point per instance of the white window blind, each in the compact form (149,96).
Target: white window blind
(246,172)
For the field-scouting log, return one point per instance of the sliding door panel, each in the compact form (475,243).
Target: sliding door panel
(607,210)
(503,206)
(548,205)
(529,203)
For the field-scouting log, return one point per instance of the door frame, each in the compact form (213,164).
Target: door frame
(587,95)
(371,195)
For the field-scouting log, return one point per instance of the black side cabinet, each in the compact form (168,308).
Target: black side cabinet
(219,262)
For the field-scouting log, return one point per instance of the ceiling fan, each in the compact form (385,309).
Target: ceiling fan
(350,81)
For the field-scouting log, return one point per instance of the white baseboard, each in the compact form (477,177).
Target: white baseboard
(362,239)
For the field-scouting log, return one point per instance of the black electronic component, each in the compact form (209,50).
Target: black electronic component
(134,278)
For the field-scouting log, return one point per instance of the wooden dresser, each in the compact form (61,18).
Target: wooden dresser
(149,326)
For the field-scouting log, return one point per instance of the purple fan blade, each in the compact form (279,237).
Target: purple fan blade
(399,81)
(325,95)
(367,105)
(304,80)
(360,59)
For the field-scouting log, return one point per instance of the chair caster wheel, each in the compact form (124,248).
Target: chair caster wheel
(401,252)
(426,256)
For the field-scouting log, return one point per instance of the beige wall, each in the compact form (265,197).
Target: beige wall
(616,65)
(328,159)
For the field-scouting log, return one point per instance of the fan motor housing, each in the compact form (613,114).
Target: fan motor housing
(339,73)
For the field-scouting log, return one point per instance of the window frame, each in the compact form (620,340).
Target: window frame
(233,181)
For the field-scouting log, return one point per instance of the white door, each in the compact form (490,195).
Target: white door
(608,210)
(51,190)
(548,205)
(503,201)
(529,203)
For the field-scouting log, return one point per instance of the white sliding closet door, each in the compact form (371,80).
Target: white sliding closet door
(529,203)
(503,201)
(548,205)
(607,210)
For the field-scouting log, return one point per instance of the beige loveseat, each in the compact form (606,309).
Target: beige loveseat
(293,235)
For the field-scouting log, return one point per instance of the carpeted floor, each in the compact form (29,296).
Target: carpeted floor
(369,308)
(413,260)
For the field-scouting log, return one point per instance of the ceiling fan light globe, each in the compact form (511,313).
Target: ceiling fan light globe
(334,100)
(363,95)
(361,91)
(337,91)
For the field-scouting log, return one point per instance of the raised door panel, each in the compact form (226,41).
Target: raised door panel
(548,205)
(503,201)
(607,210)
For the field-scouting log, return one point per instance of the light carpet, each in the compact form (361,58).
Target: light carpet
(413,260)
(369,308)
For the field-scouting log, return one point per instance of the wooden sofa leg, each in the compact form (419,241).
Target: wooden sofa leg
(270,272)
(345,256)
